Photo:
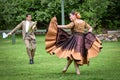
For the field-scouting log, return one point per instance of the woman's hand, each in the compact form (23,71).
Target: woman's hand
(90,30)
(59,26)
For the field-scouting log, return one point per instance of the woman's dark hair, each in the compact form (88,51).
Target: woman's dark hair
(73,12)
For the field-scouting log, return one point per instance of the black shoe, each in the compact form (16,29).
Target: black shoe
(31,61)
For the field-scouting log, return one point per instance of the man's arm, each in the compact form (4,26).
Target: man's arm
(34,27)
(15,29)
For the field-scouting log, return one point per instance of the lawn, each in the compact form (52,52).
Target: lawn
(14,63)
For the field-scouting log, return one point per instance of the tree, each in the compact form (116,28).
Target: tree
(111,19)
(97,13)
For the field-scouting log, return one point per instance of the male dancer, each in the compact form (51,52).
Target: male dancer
(28,27)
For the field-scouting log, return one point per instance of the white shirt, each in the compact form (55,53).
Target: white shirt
(27,25)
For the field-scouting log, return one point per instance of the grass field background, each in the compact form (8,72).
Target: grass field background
(14,63)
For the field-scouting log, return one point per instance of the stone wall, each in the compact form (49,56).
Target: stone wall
(110,36)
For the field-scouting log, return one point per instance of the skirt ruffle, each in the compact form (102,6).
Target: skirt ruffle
(72,46)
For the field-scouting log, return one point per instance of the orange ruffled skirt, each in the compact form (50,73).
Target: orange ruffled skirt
(73,46)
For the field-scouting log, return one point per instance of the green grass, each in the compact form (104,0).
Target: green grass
(14,63)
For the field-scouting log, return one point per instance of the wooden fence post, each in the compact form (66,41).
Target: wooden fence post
(13,39)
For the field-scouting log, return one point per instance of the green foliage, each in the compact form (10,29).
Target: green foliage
(95,12)
(111,19)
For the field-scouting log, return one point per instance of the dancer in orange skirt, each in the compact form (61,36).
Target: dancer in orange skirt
(78,46)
